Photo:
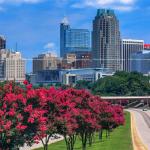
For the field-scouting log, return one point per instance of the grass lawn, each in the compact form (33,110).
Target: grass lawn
(120,139)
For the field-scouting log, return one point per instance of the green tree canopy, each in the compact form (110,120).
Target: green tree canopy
(123,83)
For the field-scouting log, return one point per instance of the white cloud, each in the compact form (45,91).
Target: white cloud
(127,1)
(123,8)
(121,5)
(19,1)
(49,45)
(99,2)
(50,48)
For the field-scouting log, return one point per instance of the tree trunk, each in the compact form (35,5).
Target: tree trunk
(84,140)
(100,134)
(46,147)
(70,141)
(83,147)
(91,135)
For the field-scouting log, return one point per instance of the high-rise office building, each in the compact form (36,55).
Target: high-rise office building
(130,46)
(73,40)
(12,66)
(106,42)
(45,62)
(2,42)
(141,62)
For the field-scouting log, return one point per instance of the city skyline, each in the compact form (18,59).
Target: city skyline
(74,74)
(34,24)
(41,24)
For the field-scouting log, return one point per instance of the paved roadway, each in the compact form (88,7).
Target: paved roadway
(142,120)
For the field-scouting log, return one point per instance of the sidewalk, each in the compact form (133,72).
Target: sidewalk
(40,144)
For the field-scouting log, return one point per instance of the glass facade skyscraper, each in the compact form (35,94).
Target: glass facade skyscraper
(73,40)
(106,41)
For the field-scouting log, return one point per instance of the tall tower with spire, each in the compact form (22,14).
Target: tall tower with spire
(64,26)
(73,40)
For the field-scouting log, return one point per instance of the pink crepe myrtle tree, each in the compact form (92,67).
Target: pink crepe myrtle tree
(12,116)
(30,115)
(66,118)
(86,117)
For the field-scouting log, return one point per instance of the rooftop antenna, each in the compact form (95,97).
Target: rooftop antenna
(65,20)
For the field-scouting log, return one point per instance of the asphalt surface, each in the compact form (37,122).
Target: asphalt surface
(142,121)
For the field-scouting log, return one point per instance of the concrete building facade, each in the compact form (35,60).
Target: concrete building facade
(77,60)
(130,46)
(12,66)
(69,76)
(45,62)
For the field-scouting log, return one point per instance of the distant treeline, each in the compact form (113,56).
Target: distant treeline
(121,83)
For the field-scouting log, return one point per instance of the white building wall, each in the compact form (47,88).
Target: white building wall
(14,66)
(129,46)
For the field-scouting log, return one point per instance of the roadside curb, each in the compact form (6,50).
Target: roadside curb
(136,140)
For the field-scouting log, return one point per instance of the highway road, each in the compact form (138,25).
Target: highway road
(142,121)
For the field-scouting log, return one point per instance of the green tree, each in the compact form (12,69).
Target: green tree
(83,84)
(123,83)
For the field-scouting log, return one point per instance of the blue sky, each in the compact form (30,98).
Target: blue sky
(34,24)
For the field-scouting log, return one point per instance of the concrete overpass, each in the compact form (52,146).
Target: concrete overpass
(126,98)
(131,100)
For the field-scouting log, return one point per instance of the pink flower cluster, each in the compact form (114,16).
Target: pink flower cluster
(32,114)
